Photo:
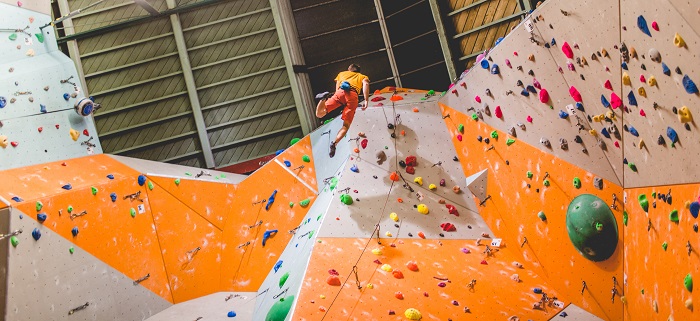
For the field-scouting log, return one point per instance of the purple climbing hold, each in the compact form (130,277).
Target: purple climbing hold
(495,70)
(531,89)
(36,234)
(563,314)
(689,85)
(694,209)
(67,187)
(642,24)
(74,231)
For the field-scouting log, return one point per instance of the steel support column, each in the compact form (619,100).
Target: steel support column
(387,42)
(73,50)
(191,86)
(444,42)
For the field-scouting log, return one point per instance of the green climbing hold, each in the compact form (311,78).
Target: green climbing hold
(291,204)
(542,216)
(70,209)
(546,183)
(13,37)
(494,134)
(132,211)
(306,158)
(386,147)
(688,282)
(188,173)
(632,166)
(625,217)
(334,183)
(71,250)
(653,194)
(311,234)
(423,98)
(673,216)
(39,37)
(577,182)
(643,202)
(328,121)
(529,174)
(475,117)
(39,206)
(664,245)
(460,128)
(280,310)
(283,279)
(592,227)
(346,199)
(294,141)
(177,181)
(642,291)
(431,92)
(304,203)
(510,141)
(318,218)
(94,190)
(150,185)
(14,241)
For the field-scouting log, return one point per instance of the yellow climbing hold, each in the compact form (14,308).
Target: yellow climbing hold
(387,268)
(432,187)
(394,217)
(678,41)
(684,115)
(418,180)
(626,79)
(377,251)
(642,92)
(370,286)
(651,81)
(642,144)
(74,134)
(593,132)
(322,296)
(423,209)
(689,304)
(598,118)
(413,314)
(388,234)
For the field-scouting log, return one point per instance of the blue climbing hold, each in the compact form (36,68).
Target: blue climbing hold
(231,314)
(287,163)
(142,180)
(553,42)
(563,314)
(537,291)
(632,100)
(354,168)
(604,101)
(694,209)
(689,85)
(279,152)
(563,114)
(267,235)
(495,70)
(667,71)
(36,234)
(642,24)
(605,133)
(74,231)
(672,135)
(3,102)
(624,66)
(633,131)
(66,96)
(270,200)
(525,92)
(67,187)
(484,63)
(113,196)
(278,265)
(42,109)
(579,106)
(16,199)
(41,217)
(110,176)
(531,89)
(499,41)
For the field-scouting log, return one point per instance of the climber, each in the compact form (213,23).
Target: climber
(348,85)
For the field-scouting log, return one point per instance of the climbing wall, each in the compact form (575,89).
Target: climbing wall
(218,306)
(40,86)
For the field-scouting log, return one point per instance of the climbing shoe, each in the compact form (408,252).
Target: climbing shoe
(332,153)
(323,95)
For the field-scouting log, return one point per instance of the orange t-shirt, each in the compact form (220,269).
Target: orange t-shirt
(354,78)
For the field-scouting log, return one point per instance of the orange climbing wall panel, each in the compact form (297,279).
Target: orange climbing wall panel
(210,200)
(191,247)
(107,231)
(43,180)
(648,267)
(245,268)
(512,212)
(494,297)
(294,155)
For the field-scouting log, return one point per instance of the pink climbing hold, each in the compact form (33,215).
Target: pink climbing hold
(615,100)
(566,49)
(536,83)
(642,79)
(498,112)
(19,3)
(529,119)
(515,53)
(478,99)
(642,113)
(575,94)
(508,64)
(608,85)
(459,137)
(544,96)
(655,25)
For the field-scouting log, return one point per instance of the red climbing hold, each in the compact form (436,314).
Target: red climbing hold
(499,112)
(452,209)
(363,143)
(412,266)
(397,274)
(615,101)
(566,49)
(333,272)
(478,99)
(484,262)
(642,78)
(411,170)
(394,177)
(85,132)
(14,144)
(459,137)
(333,280)
(378,98)
(655,25)
(448,227)
(40,129)
(529,119)
(421,235)
(544,96)
(575,94)
(642,113)
(617,144)
(608,85)
(411,161)
(398,295)
(58,126)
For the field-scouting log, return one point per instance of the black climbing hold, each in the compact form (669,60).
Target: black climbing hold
(578,139)
(441,235)
(678,70)
(643,67)
(695,227)
(479,138)
(675,110)
(669,199)
(653,204)
(582,77)
(624,161)
(661,140)
(393,135)
(687,126)
(410,235)
(487,140)
(537,190)
(375,176)
(531,73)
(546,45)
(550,26)
(396,225)
(415,206)
(507,163)
(585,151)
(357,199)
(402,164)
(625,128)
(589,118)
(528,185)
(455,159)
(519,83)
(390,126)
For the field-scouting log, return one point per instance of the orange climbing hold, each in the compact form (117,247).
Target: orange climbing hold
(421,235)
(397,274)
(398,295)
(400,200)
(394,177)
(412,266)
(415,109)
(333,280)
(396,98)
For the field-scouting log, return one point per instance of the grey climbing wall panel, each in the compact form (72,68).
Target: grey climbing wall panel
(321,139)
(575,313)
(515,107)
(4,248)
(151,168)
(46,281)
(669,93)
(215,306)
(295,258)
(589,78)
(41,6)
(36,119)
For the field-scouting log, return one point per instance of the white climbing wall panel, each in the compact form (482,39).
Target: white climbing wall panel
(661,164)
(41,6)
(321,139)
(214,307)
(530,60)
(39,86)
(46,281)
(151,168)
(4,248)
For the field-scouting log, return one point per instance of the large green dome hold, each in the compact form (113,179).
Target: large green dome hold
(592,227)
(279,310)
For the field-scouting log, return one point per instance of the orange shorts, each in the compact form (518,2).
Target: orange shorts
(341,98)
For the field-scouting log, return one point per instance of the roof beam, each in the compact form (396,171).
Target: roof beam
(387,43)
